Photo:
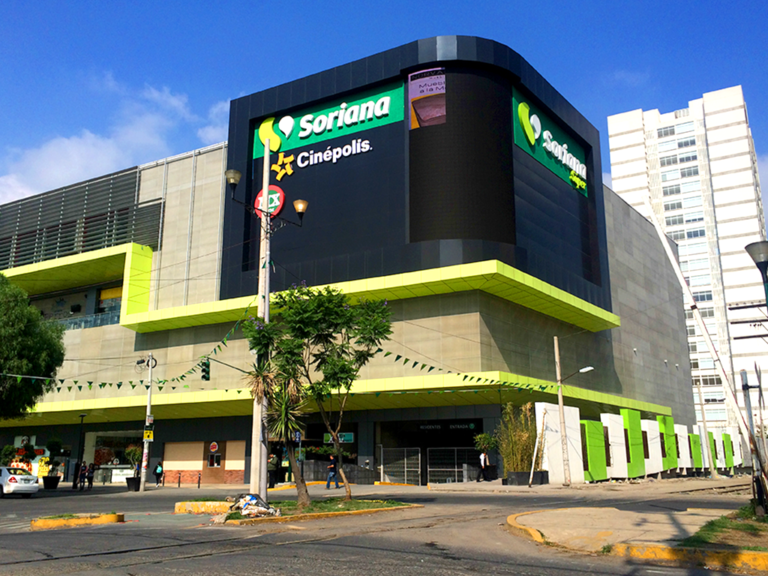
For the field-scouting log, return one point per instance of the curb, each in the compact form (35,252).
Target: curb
(391,484)
(317,515)
(91,519)
(525,531)
(201,507)
(729,559)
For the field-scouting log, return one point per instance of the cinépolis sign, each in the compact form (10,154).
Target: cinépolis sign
(540,137)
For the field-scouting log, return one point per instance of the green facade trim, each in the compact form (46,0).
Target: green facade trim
(593,442)
(669,438)
(698,459)
(636,464)
(728,449)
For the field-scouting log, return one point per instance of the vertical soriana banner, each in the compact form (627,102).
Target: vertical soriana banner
(543,139)
(426,97)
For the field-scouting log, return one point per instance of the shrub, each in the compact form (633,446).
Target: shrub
(485,442)
(516,438)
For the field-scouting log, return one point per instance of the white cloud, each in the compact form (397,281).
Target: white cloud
(217,128)
(141,131)
(607,180)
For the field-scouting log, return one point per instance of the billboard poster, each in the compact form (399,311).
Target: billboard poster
(426,97)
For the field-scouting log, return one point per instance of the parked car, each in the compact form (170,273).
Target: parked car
(17,481)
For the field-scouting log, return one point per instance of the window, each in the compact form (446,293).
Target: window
(667,146)
(663,446)
(676,205)
(671,190)
(646,452)
(708,380)
(674,220)
(716,414)
(703,296)
(695,233)
(677,235)
(707,312)
(688,157)
(703,280)
(690,249)
(214,460)
(664,132)
(683,128)
(692,202)
(584,453)
(626,446)
(670,175)
(693,186)
(690,331)
(692,346)
(668,160)
(607,443)
(694,217)
(706,364)
(690,448)
(687,172)
(686,142)
(699,264)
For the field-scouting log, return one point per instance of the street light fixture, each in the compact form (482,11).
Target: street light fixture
(258,468)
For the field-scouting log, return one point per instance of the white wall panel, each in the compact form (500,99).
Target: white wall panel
(553,453)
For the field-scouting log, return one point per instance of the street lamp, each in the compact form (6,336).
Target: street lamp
(258,468)
(80,452)
(759,253)
(561,410)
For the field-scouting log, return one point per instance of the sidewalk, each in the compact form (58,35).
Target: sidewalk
(644,535)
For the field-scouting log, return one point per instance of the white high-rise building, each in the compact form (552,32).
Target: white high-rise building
(700,168)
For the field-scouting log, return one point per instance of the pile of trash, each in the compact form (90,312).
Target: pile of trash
(253,506)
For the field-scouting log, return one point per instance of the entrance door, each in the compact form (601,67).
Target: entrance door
(214,465)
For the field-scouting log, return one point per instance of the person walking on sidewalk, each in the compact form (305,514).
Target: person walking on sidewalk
(333,470)
(89,476)
(158,473)
(83,474)
(272,470)
(483,467)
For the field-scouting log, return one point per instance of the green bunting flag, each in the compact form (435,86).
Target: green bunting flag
(423,366)
(47,381)
(80,388)
(379,350)
(62,381)
(58,389)
(173,387)
(118,385)
(397,358)
(160,388)
(415,364)
(90,386)
(18,379)
(147,388)
(387,354)
(69,388)
(102,385)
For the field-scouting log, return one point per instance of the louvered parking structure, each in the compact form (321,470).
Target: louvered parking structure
(91,215)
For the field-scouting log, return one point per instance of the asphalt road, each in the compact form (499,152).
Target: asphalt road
(454,534)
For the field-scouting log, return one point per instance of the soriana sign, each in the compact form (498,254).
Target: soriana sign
(543,139)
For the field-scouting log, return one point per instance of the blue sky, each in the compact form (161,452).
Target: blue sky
(93,87)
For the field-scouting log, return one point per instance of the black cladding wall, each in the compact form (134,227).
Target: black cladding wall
(440,195)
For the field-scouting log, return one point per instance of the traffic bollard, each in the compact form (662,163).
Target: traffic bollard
(198,480)
(179,486)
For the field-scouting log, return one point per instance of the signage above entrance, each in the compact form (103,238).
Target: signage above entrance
(344,438)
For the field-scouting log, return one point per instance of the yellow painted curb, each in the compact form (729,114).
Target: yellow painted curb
(317,515)
(526,531)
(201,507)
(391,484)
(292,485)
(84,520)
(730,559)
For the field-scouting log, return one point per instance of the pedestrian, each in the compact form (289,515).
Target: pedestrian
(272,470)
(333,470)
(89,476)
(83,474)
(76,478)
(483,467)
(158,473)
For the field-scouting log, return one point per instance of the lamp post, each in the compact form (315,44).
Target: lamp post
(80,452)
(561,410)
(259,437)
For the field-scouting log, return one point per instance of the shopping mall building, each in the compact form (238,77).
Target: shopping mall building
(447,176)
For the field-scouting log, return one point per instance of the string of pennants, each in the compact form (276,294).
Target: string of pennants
(468,378)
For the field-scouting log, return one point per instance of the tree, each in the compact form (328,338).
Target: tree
(29,346)
(323,341)
(7,454)
(277,378)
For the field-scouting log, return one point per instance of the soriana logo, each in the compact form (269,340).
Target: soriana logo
(546,142)
(339,119)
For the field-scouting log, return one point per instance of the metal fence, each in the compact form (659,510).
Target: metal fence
(447,464)
(400,465)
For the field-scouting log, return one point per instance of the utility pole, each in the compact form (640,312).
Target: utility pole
(147,422)
(561,409)
(259,436)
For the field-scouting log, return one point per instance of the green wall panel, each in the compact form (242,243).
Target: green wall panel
(728,447)
(636,464)
(594,442)
(698,461)
(667,429)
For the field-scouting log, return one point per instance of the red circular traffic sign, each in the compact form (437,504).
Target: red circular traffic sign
(276,201)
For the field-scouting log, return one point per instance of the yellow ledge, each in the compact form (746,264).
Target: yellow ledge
(727,559)
(133,264)
(57,523)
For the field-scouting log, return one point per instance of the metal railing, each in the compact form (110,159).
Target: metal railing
(400,465)
(447,464)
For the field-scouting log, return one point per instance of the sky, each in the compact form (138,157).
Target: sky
(89,88)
